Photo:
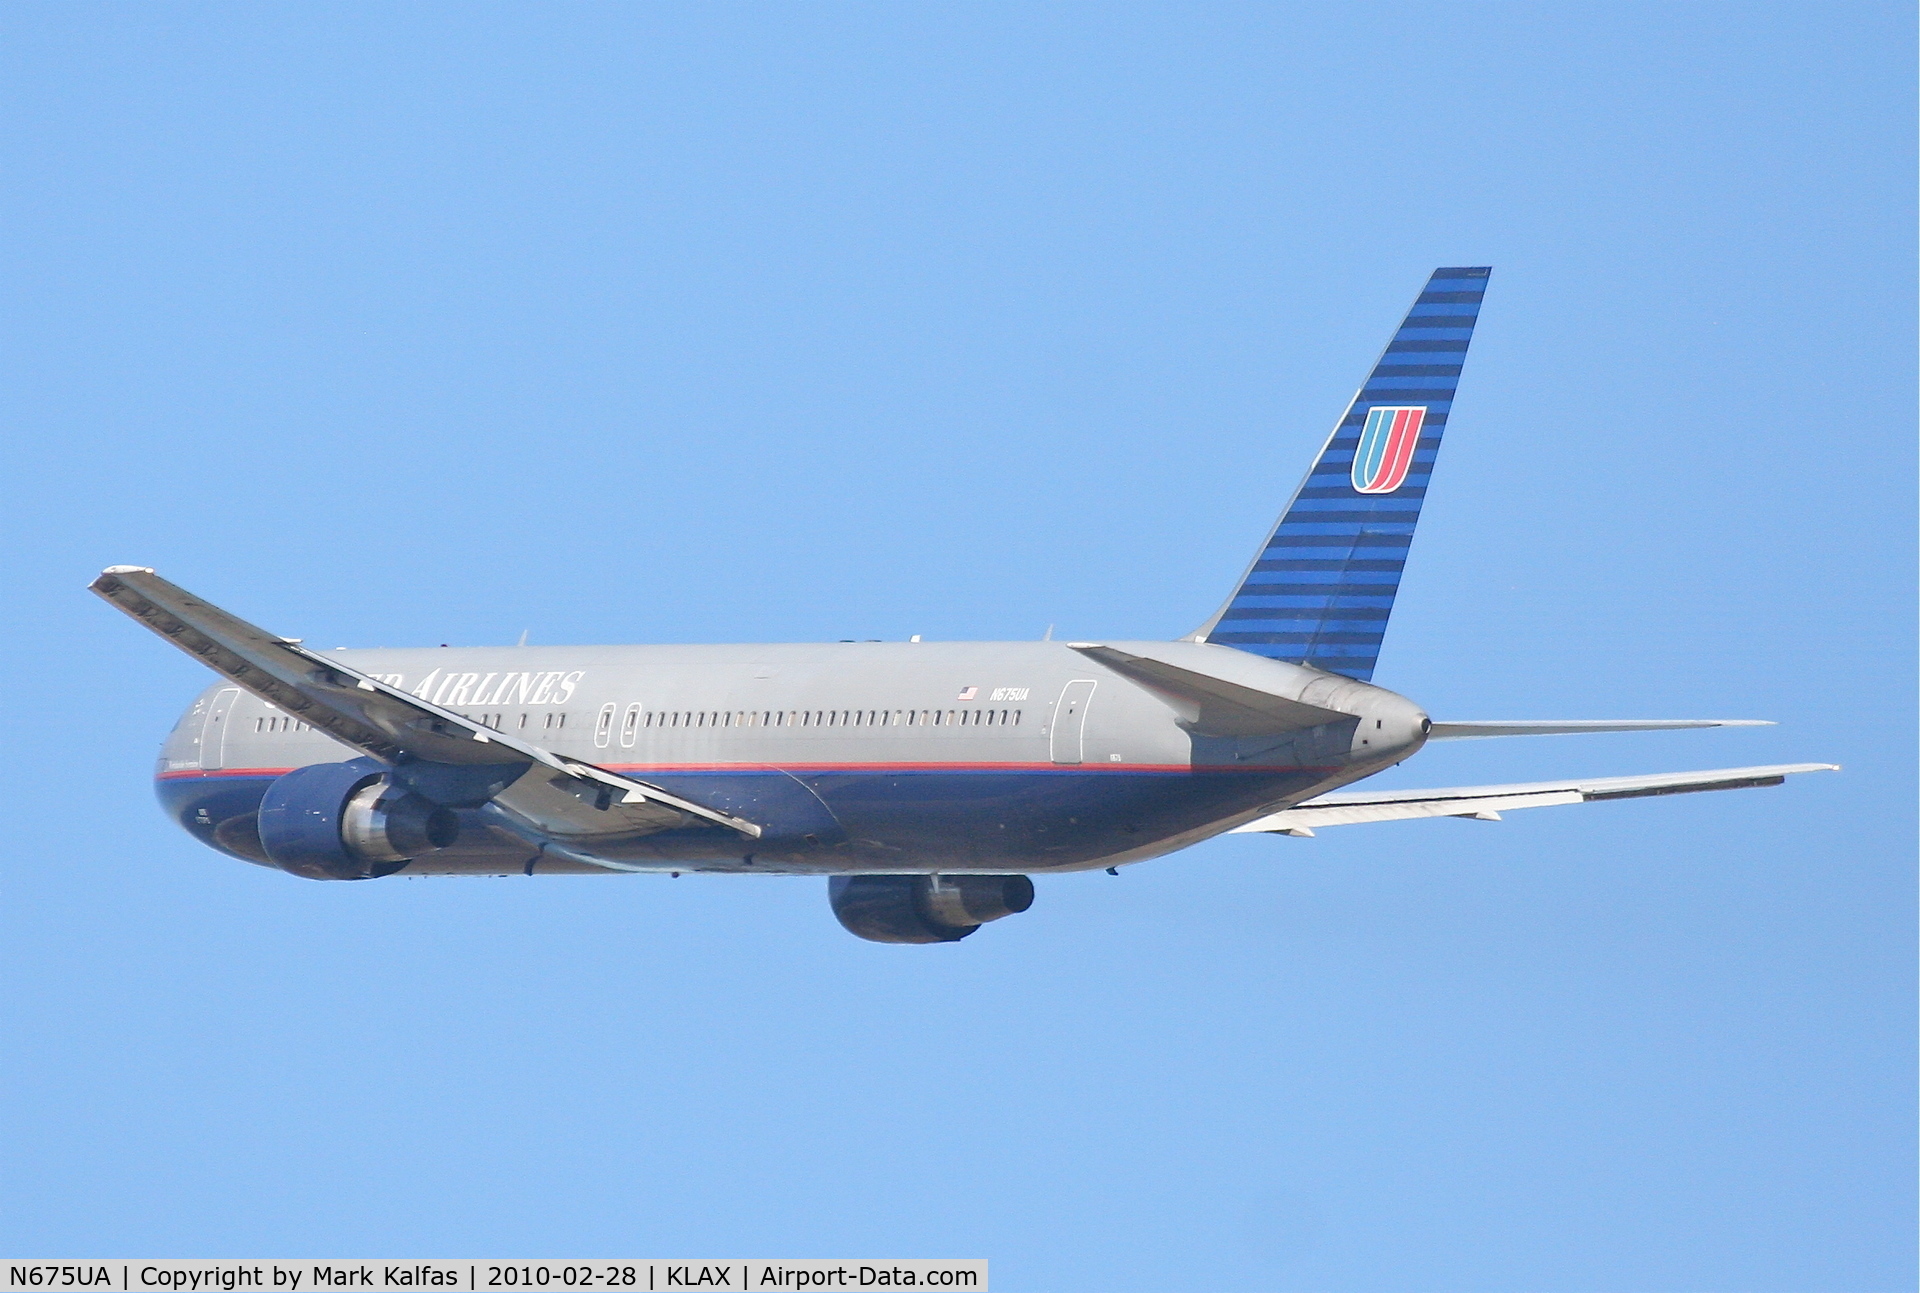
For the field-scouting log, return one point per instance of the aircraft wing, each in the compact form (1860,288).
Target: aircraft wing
(1475,731)
(1486,803)
(547,791)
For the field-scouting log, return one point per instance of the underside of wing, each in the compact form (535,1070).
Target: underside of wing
(1486,803)
(447,757)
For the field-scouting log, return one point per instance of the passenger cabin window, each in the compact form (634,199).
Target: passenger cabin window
(635,718)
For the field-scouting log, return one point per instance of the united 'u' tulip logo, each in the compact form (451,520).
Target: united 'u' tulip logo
(1385,451)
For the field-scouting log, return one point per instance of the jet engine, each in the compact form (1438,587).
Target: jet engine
(924,908)
(349,821)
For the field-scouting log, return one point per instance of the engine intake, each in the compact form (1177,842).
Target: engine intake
(348,821)
(924,908)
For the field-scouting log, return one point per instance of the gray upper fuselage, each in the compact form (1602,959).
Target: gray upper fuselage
(857,756)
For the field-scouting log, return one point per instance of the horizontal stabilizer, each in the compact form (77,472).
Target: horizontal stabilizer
(1475,731)
(391,725)
(1213,706)
(1486,802)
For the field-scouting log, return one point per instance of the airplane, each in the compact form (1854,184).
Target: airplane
(927,781)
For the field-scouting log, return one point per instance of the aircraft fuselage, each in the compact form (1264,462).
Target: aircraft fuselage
(879,757)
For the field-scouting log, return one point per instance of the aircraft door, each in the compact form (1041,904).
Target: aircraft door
(213,730)
(1065,734)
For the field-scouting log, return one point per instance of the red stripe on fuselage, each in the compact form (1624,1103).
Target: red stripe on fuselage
(640,768)
(878,768)
(881,769)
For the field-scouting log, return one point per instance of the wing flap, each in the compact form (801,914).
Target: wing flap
(1348,807)
(555,793)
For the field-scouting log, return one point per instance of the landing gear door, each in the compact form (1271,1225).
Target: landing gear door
(213,730)
(1065,734)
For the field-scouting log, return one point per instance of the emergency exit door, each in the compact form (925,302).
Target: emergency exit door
(213,729)
(1067,731)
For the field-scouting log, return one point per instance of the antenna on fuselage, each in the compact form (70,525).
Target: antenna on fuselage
(1048,635)
(523,637)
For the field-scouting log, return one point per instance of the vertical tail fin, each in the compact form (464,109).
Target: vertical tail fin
(1320,591)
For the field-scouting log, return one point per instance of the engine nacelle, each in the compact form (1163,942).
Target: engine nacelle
(924,908)
(348,821)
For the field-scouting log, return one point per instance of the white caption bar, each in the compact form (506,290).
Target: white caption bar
(466,1276)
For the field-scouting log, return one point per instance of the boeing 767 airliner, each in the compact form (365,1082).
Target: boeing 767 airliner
(927,780)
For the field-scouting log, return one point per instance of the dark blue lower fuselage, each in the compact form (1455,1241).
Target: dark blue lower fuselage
(823,821)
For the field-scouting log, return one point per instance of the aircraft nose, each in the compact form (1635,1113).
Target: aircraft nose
(1392,726)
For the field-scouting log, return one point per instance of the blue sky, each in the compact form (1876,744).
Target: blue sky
(387,325)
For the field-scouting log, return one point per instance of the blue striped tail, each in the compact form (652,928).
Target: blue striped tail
(1322,588)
